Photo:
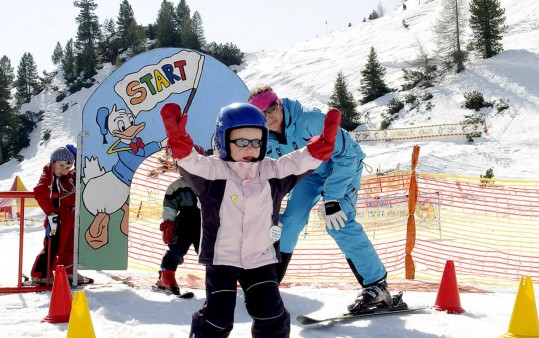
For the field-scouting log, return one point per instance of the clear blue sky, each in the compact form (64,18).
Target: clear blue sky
(35,26)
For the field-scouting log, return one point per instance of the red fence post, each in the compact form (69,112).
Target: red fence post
(20,287)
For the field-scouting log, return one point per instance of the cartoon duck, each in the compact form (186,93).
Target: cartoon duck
(106,192)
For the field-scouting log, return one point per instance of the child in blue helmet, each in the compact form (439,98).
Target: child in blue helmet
(240,193)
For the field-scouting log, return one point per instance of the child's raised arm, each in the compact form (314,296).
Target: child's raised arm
(321,147)
(179,142)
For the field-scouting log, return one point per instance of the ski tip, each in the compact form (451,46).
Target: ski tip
(184,295)
(187,295)
(306,320)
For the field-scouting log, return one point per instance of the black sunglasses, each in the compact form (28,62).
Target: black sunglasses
(241,142)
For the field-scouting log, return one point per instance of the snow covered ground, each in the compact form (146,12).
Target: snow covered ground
(117,310)
(307,72)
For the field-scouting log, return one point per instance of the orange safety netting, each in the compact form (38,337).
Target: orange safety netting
(489,228)
(410,226)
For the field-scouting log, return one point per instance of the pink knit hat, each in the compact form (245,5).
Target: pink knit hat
(264,100)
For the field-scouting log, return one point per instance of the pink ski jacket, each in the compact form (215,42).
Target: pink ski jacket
(240,204)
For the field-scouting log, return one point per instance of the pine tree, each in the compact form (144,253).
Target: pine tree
(57,54)
(126,17)
(187,35)
(192,32)
(198,31)
(166,26)
(449,29)
(342,99)
(487,21)
(151,33)
(135,39)
(109,44)
(7,118)
(380,10)
(372,82)
(5,66)
(374,15)
(229,54)
(424,75)
(27,82)
(69,62)
(184,24)
(182,10)
(88,34)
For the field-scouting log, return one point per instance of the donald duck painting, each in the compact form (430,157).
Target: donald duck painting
(106,192)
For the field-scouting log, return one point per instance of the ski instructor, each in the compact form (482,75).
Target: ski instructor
(337,181)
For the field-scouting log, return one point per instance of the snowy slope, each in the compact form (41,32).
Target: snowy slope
(308,72)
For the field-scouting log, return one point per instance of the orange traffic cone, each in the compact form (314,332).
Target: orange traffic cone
(448,298)
(80,322)
(524,321)
(60,306)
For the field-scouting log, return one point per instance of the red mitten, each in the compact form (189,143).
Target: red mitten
(168,231)
(179,143)
(321,147)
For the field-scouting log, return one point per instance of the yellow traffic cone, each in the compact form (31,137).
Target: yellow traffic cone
(80,322)
(524,321)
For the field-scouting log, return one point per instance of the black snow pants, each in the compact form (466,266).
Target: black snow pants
(262,300)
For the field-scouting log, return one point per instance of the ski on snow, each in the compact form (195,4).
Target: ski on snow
(27,281)
(129,281)
(399,307)
(183,295)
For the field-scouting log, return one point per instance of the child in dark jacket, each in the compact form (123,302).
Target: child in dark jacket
(240,193)
(181,228)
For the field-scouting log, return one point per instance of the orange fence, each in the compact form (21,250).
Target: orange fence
(490,229)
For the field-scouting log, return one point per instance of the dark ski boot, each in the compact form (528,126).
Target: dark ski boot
(372,296)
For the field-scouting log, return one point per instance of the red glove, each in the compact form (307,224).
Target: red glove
(168,231)
(179,143)
(321,147)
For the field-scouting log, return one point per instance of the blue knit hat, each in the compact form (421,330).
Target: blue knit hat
(62,154)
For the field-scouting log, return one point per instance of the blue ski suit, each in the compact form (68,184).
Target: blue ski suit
(338,179)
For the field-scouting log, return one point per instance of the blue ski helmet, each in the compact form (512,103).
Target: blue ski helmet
(238,115)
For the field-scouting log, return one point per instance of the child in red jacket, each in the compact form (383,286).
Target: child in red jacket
(55,194)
